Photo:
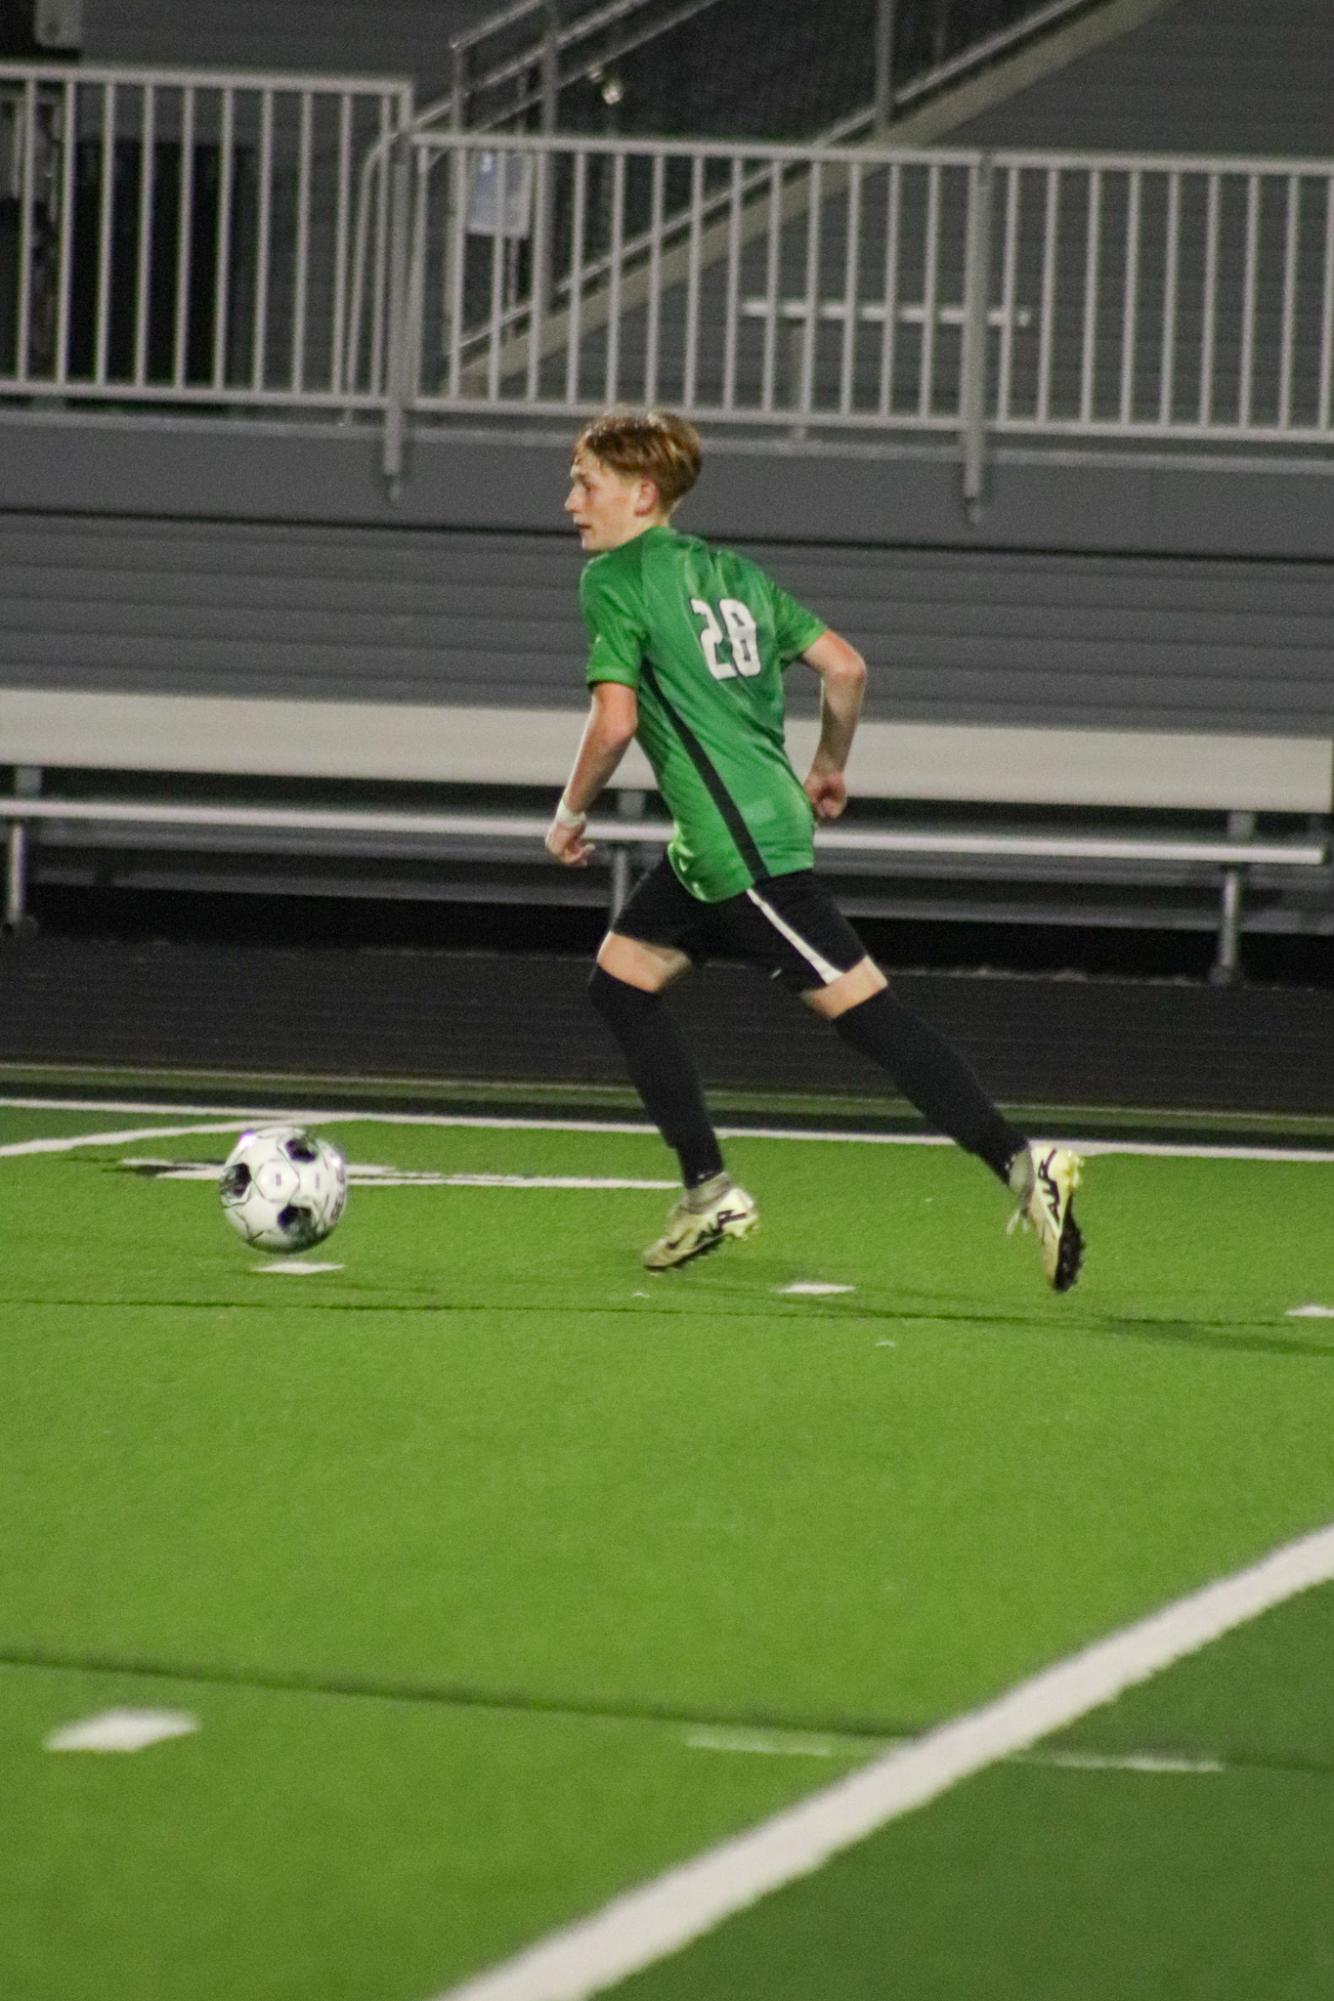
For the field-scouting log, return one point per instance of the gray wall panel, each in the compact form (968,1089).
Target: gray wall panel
(469,617)
(1205,76)
(1225,74)
(770,489)
(343,37)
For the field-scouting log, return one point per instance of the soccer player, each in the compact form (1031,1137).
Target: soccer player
(689,647)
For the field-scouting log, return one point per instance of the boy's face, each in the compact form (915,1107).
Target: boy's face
(609,507)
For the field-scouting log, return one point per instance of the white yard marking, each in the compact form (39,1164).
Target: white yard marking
(658,1918)
(362,1174)
(122,1730)
(68,1141)
(297,1267)
(248,1114)
(776,1743)
(1310,1313)
(813,1288)
(1150,1762)
(366,1174)
(805,1744)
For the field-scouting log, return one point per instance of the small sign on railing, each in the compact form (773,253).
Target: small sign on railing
(500,195)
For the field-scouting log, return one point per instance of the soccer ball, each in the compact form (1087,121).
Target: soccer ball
(282,1188)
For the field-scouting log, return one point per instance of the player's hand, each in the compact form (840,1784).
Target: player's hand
(568,844)
(827,791)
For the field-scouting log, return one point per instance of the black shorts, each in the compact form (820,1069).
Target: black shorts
(789,924)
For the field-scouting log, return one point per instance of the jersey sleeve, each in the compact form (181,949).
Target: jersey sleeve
(616,628)
(795,628)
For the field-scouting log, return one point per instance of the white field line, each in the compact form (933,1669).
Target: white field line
(368,1171)
(647,1924)
(68,1141)
(369,1174)
(240,1115)
(805,1744)
(1154,1763)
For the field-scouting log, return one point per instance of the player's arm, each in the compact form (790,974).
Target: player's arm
(613,717)
(842,674)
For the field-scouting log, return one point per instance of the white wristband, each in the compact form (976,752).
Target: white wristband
(565,818)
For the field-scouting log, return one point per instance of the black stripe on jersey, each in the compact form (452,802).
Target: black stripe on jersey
(717,791)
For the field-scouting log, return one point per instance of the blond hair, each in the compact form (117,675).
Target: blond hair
(647,444)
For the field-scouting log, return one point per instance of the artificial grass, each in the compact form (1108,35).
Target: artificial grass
(310,1847)
(1033,1882)
(491,1462)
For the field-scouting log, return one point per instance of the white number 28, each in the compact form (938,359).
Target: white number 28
(737,633)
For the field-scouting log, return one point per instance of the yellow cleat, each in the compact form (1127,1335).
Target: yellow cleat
(1045,1179)
(692,1232)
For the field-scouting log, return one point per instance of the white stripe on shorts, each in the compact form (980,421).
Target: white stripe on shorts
(821,965)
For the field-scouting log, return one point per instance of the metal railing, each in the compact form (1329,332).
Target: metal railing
(527,66)
(922,47)
(507,74)
(510,69)
(184,236)
(1218,864)
(864,289)
(187,238)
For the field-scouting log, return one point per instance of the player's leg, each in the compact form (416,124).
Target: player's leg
(818,953)
(931,1073)
(636,963)
(627,990)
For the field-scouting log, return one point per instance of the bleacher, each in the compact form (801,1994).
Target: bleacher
(1095,700)
(368,711)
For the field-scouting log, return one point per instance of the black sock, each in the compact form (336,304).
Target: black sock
(662,1070)
(931,1073)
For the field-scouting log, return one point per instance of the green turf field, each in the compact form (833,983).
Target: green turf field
(499,1576)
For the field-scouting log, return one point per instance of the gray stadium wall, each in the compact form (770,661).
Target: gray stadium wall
(336,38)
(1199,76)
(213,557)
(1094,586)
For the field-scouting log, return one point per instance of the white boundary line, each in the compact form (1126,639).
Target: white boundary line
(239,1115)
(660,1917)
(68,1141)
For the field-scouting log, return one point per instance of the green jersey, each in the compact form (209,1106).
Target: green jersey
(704,636)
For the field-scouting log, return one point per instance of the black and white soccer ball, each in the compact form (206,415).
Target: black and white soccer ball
(283,1188)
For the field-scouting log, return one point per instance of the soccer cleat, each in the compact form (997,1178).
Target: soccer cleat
(1045,1179)
(691,1232)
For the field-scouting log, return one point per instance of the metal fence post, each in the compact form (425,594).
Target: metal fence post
(1227,961)
(973,363)
(16,873)
(540,278)
(27,785)
(551,69)
(884,63)
(399,332)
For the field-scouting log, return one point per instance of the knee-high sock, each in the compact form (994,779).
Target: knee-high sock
(930,1071)
(662,1070)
